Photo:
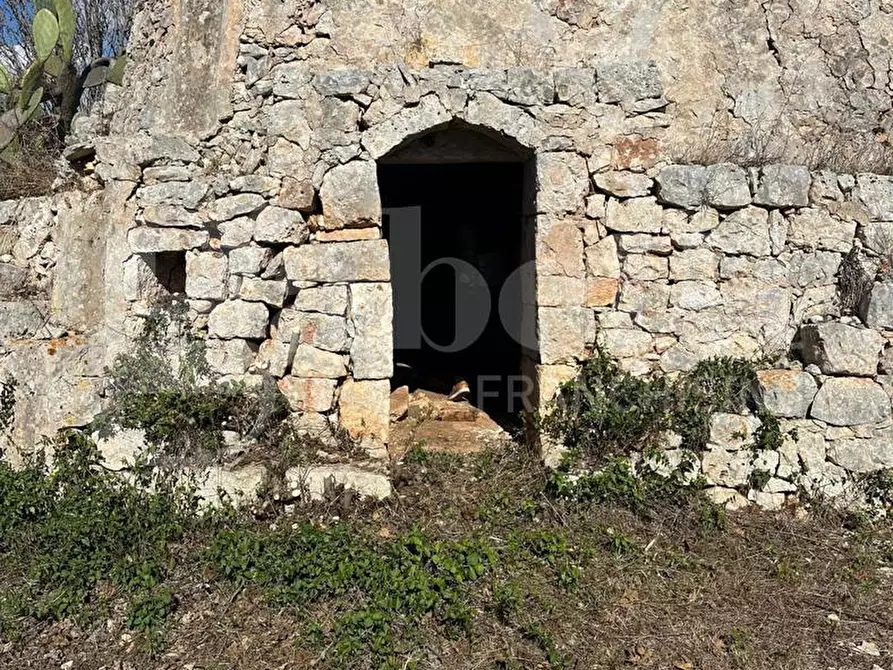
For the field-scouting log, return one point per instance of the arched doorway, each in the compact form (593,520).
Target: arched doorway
(459,216)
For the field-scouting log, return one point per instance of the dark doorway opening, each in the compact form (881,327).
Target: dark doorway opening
(473,212)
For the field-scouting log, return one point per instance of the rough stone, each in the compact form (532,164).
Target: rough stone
(341,82)
(286,119)
(733,431)
(863,456)
(817,268)
(817,229)
(849,401)
(296,194)
(630,81)
(364,409)
(237,484)
(562,181)
(206,275)
(646,267)
(349,196)
(624,184)
(726,468)
(743,232)
(646,244)
(236,233)
(313,481)
(338,262)
(255,183)
(783,186)
(238,318)
(602,259)
(229,357)
(877,309)
(636,215)
(249,260)
(144,240)
(121,450)
(564,333)
(696,264)
(575,86)
(224,209)
(527,86)
(183,194)
(875,192)
(695,295)
(171,215)
(281,226)
(559,248)
(601,292)
(683,186)
(308,395)
(371,317)
(325,299)
(411,121)
(787,393)
(269,291)
(323,331)
(727,187)
(839,349)
(274,357)
(310,362)
(553,291)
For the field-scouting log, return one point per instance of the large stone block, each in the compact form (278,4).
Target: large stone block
(783,186)
(249,260)
(695,264)
(743,232)
(310,362)
(349,196)
(602,260)
(229,357)
(814,268)
(559,248)
(411,121)
(206,275)
(526,86)
(308,395)
(877,308)
(636,215)
(314,480)
(683,185)
(366,260)
(324,299)
(863,456)
(787,393)
(281,226)
(145,240)
(238,318)
(727,187)
(341,82)
(241,204)
(364,409)
(562,181)
(269,291)
(851,401)
(181,194)
(324,331)
(624,184)
(371,318)
(839,349)
(817,229)
(564,333)
(733,431)
(286,119)
(875,192)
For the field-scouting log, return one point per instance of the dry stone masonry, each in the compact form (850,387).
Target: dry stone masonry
(241,171)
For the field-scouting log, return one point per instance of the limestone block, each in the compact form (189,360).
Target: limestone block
(743,232)
(646,267)
(308,395)
(122,449)
(287,119)
(238,484)
(181,194)
(683,186)
(862,456)
(411,121)
(296,194)
(275,357)
(310,362)
(562,181)
(324,331)
(269,291)
(623,184)
(334,262)
(695,295)
(875,192)
(255,183)
(728,498)
(625,342)
(550,378)
(877,309)
(239,318)
(171,215)
(206,275)
(20,319)
(324,299)
(816,268)
(527,86)
(787,393)
(600,292)
(783,186)
(602,260)
(364,409)
(817,229)
(733,431)
(250,260)
(281,226)
(349,196)
(726,468)
(850,401)
(636,215)
(229,357)
(312,481)
(553,291)
(644,296)
(697,264)
(371,318)
(559,248)
(727,187)
(145,240)
(342,82)
(290,80)
(564,333)
(646,244)
(241,204)
(236,233)
(575,86)
(839,349)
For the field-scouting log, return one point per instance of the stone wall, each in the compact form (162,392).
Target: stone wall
(241,171)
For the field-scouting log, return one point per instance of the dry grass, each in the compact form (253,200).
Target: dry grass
(663,587)
(32,170)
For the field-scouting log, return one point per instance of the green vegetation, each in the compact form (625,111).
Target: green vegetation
(606,413)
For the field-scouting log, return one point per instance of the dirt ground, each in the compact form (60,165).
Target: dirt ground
(667,586)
